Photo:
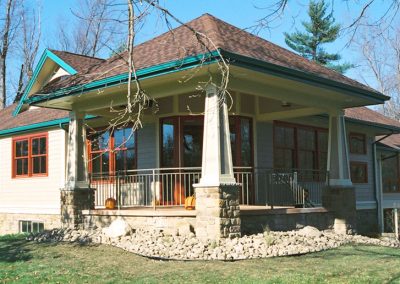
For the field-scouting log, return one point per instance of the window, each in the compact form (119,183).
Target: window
(30,226)
(300,147)
(390,174)
(181,141)
(357,143)
(30,155)
(112,151)
(359,172)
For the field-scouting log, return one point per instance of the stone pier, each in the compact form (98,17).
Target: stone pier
(72,204)
(217,212)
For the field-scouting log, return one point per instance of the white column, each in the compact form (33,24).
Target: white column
(217,168)
(338,154)
(77,173)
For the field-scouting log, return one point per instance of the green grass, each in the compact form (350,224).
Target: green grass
(29,262)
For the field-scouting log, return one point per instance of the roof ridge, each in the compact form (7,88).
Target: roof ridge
(169,31)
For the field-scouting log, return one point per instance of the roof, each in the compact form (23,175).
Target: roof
(78,61)
(29,117)
(181,43)
(364,114)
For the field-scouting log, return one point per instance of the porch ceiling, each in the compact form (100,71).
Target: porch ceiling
(306,94)
(305,98)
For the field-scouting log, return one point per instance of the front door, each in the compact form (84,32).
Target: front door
(181,151)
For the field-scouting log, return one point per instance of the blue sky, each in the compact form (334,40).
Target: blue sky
(240,13)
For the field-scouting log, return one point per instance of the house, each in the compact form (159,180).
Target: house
(295,146)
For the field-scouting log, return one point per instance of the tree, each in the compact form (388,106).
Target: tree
(320,30)
(95,30)
(380,64)
(28,46)
(7,33)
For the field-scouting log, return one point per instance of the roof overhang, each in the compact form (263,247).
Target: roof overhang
(343,95)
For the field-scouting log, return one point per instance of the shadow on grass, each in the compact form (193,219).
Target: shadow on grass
(14,248)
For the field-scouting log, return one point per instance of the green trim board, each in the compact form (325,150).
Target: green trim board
(39,125)
(146,73)
(301,76)
(47,54)
(34,126)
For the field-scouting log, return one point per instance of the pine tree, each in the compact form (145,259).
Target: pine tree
(319,31)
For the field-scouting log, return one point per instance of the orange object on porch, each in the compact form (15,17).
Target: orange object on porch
(190,203)
(110,203)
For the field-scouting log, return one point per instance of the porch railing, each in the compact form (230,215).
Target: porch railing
(171,186)
(291,187)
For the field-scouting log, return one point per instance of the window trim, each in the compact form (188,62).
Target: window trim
(358,135)
(30,156)
(365,165)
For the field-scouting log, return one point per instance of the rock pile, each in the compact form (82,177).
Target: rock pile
(158,244)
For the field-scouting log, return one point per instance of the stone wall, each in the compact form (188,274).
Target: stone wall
(169,224)
(253,222)
(9,222)
(341,201)
(217,212)
(72,204)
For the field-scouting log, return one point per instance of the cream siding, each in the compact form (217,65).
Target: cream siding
(36,195)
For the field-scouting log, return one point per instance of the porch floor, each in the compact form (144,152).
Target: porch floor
(179,211)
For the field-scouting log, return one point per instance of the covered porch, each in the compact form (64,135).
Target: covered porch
(194,140)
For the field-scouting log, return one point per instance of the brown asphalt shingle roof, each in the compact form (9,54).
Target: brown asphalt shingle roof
(368,115)
(77,61)
(181,43)
(31,116)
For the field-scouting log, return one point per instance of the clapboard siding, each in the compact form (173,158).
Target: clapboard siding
(264,145)
(147,146)
(34,194)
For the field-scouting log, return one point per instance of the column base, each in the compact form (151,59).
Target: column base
(217,212)
(72,204)
(341,201)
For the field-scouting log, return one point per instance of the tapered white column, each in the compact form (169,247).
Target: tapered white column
(217,168)
(338,154)
(77,173)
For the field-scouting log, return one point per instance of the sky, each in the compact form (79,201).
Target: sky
(241,13)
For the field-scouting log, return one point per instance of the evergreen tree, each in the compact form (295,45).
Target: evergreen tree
(319,31)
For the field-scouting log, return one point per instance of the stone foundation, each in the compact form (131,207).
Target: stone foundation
(367,222)
(217,212)
(181,225)
(9,222)
(72,204)
(258,221)
(341,202)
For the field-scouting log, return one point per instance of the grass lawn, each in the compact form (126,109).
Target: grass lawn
(28,262)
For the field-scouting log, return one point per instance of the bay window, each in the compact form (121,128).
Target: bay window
(112,151)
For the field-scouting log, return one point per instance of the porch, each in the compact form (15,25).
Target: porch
(169,187)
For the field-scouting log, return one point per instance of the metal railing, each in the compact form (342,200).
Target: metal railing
(158,187)
(291,187)
(171,186)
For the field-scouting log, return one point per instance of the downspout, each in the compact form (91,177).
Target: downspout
(377,169)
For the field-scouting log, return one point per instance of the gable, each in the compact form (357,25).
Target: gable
(49,67)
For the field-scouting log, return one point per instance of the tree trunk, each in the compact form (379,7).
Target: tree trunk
(2,83)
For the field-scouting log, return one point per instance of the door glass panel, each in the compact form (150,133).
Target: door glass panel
(192,142)
(168,142)
(246,143)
